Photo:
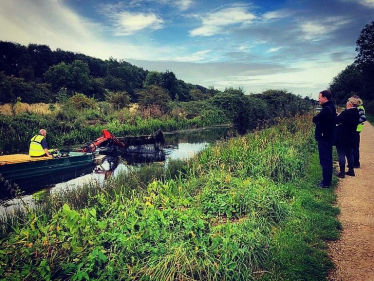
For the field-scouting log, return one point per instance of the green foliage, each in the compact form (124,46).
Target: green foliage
(30,92)
(365,60)
(358,77)
(81,101)
(225,216)
(37,64)
(347,83)
(118,100)
(74,76)
(365,44)
(154,95)
(243,111)
(153,78)
(283,104)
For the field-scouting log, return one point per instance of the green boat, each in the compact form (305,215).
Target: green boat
(25,170)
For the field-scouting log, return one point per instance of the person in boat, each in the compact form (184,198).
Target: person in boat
(38,145)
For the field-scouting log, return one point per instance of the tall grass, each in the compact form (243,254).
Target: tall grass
(244,209)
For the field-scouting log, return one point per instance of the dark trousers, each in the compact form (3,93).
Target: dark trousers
(356,150)
(343,153)
(325,159)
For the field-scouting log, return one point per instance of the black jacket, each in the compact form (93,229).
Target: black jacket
(347,122)
(325,123)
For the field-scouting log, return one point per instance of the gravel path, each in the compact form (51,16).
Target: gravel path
(353,253)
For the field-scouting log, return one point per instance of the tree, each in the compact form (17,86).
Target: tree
(118,99)
(80,74)
(169,83)
(41,57)
(347,83)
(237,108)
(196,94)
(75,76)
(365,45)
(153,78)
(80,101)
(59,76)
(365,60)
(154,95)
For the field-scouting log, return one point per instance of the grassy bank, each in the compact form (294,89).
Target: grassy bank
(243,209)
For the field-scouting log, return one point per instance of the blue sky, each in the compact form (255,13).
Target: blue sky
(297,45)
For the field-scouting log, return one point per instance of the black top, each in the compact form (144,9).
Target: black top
(325,123)
(347,122)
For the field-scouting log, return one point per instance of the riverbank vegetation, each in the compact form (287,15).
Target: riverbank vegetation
(80,119)
(243,209)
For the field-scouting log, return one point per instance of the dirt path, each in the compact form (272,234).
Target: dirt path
(353,253)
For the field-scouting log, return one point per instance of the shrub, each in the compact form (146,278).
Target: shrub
(118,99)
(80,101)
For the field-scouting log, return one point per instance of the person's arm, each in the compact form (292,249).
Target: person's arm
(45,147)
(47,152)
(323,115)
(362,115)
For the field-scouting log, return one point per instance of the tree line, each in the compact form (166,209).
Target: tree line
(358,77)
(37,74)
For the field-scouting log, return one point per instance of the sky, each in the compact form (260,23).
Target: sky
(293,45)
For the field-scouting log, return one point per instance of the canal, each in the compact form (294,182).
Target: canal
(178,145)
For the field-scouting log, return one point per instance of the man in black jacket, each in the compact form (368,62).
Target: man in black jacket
(324,134)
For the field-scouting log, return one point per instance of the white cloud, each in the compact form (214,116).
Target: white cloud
(45,22)
(367,3)
(277,14)
(215,23)
(272,50)
(127,23)
(195,57)
(52,23)
(184,4)
(315,30)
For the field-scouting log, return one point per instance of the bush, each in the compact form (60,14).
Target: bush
(118,99)
(154,95)
(80,101)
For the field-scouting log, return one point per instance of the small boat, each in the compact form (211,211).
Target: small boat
(25,170)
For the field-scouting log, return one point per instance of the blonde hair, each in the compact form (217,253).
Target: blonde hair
(355,101)
(360,102)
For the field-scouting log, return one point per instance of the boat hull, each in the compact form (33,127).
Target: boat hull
(24,170)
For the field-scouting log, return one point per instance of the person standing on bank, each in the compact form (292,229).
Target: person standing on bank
(38,145)
(347,122)
(324,135)
(356,147)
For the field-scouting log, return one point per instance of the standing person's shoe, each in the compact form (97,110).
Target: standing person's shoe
(350,173)
(340,175)
(322,185)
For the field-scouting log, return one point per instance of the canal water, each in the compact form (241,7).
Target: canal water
(178,145)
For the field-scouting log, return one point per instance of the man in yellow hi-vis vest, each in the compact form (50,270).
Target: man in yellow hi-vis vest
(38,145)
(356,147)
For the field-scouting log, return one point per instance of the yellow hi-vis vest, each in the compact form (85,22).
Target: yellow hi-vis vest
(36,148)
(360,126)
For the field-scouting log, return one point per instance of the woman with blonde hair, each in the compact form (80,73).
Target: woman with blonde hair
(347,122)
